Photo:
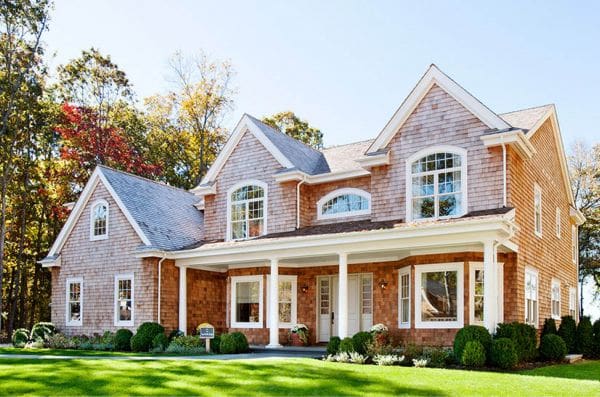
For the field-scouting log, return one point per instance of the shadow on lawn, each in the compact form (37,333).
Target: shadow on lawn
(105,377)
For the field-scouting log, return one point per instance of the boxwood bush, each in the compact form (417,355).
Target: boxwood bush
(233,343)
(160,342)
(471,333)
(524,336)
(549,327)
(596,329)
(567,331)
(123,340)
(142,340)
(584,337)
(333,346)
(42,331)
(473,354)
(346,345)
(553,348)
(215,344)
(503,353)
(360,341)
(20,337)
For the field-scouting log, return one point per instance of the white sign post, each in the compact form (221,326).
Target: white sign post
(207,332)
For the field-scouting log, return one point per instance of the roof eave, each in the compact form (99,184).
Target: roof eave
(513,138)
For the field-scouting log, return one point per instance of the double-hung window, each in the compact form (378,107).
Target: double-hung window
(404,298)
(537,210)
(288,297)
(124,295)
(555,299)
(573,302)
(574,245)
(247,302)
(247,211)
(74,302)
(531,297)
(477,291)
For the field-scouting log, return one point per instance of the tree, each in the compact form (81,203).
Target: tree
(290,124)
(584,165)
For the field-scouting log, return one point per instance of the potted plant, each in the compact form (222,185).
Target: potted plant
(299,335)
(380,334)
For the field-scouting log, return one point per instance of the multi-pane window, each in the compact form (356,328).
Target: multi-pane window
(531,297)
(555,299)
(345,205)
(477,295)
(558,230)
(74,302)
(367,294)
(324,292)
(246,302)
(247,206)
(437,186)
(124,300)
(99,220)
(537,210)
(573,302)
(404,306)
(287,299)
(574,245)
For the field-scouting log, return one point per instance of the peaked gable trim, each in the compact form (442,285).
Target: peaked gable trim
(434,76)
(245,123)
(75,214)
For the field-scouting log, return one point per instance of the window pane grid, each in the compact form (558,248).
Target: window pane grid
(100,220)
(74,305)
(367,298)
(247,212)
(124,299)
(404,298)
(478,295)
(345,203)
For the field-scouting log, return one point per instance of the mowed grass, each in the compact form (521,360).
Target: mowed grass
(278,377)
(81,353)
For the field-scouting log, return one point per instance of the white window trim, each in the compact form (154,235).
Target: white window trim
(238,279)
(294,319)
(460,304)
(558,223)
(235,187)
(463,179)
(574,244)
(127,323)
(403,272)
(68,321)
(534,272)
(473,266)
(537,190)
(340,192)
(555,282)
(93,207)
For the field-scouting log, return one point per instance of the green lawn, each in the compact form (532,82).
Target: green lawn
(82,353)
(279,377)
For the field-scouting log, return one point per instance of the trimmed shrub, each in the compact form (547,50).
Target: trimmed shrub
(160,342)
(524,337)
(438,357)
(568,331)
(20,337)
(596,344)
(360,341)
(346,345)
(215,344)
(177,349)
(473,354)
(471,333)
(188,341)
(584,337)
(549,327)
(60,341)
(553,348)
(142,340)
(42,331)
(234,343)
(503,353)
(241,342)
(333,346)
(122,340)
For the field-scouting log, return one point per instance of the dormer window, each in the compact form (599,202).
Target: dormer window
(344,202)
(436,183)
(247,210)
(99,220)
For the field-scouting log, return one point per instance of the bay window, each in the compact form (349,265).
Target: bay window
(439,296)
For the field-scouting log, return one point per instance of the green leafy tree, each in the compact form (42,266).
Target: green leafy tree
(290,124)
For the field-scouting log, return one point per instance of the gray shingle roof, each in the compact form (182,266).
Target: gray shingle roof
(304,157)
(165,214)
(343,157)
(525,118)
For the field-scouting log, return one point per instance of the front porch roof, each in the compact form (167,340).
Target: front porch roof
(386,241)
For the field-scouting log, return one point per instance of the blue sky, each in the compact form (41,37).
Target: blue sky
(345,66)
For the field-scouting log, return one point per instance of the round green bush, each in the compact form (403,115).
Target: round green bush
(473,354)
(360,341)
(503,353)
(524,336)
(584,338)
(549,327)
(241,342)
(42,331)
(123,340)
(142,340)
(215,344)
(160,342)
(553,348)
(20,337)
(346,345)
(568,331)
(333,347)
(471,333)
(233,343)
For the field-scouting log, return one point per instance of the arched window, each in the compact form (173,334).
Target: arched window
(247,210)
(99,220)
(436,183)
(344,202)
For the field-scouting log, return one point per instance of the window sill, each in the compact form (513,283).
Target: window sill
(78,324)
(439,324)
(247,325)
(124,323)
(97,238)
(404,326)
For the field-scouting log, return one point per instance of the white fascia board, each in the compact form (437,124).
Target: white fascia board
(516,139)
(201,191)
(374,160)
(292,175)
(321,178)
(437,77)
(57,262)
(577,216)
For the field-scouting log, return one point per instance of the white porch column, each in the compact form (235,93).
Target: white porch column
(183,299)
(342,314)
(490,286)
(274,305)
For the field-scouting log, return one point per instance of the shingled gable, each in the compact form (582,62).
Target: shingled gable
(162,216)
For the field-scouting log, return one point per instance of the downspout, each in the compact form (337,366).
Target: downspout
(504,198)
(159,281)
(298,202)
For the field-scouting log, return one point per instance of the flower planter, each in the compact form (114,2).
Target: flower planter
(296,341)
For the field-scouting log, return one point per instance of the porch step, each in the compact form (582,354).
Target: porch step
(571,358)
(291,349)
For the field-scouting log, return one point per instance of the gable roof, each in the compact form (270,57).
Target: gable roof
(526,119)
(162,216)
(343,157)
(434,76)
